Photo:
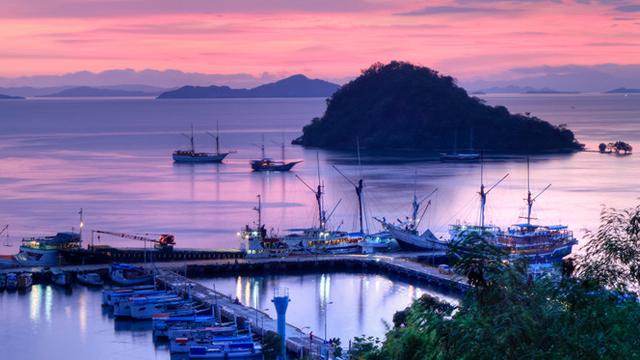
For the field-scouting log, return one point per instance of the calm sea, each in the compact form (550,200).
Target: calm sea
(112,157)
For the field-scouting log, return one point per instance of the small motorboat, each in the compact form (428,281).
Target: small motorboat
(125,274)
(61,278)
(163,323)
(123,306)
(12,281)
(90,279)
(3,281)
(111,297)
(25,280)
(227,350)
(145,309)
(107,294)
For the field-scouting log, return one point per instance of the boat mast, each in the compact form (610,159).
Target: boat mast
(217,137)
(483,194)
(319,199)
(262,148)
(283,147)
(259,210)
(193,147)
(530,200)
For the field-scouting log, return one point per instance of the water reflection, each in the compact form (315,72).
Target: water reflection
(353,304)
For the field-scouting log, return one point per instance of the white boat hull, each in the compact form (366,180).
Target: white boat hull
(37,257)
(209,158)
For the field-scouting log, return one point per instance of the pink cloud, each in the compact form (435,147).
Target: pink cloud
(329,38)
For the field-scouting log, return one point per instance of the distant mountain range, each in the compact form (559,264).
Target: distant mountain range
(86,91)
(512,89)
(572,78)
(293,86)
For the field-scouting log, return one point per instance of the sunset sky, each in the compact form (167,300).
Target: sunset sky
(322,38)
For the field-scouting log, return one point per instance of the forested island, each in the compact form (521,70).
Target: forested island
(403,106)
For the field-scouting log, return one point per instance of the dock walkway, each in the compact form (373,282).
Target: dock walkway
(297,341)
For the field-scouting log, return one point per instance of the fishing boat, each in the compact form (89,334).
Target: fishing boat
(12,281)
(90,279)
(3,281)
(268,164)
(109,295)
(313,240)
(192,156)
(61,278)
(163,323)
(127,275)
(45,251)
(145,308)
(181,340)
(123,305)
(25,280)
(406,231)
(227,350)
(541,246)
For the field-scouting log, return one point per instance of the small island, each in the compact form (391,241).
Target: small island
(9,97)
(623,90)
(403,106)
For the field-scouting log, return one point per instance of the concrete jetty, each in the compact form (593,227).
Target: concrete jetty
(297,342)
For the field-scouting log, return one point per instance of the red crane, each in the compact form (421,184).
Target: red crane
(164,242)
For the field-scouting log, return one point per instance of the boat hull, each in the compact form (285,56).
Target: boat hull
(414,242)
(259,166)
(37,257)
(208,158)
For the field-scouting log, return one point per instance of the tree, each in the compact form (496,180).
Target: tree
(508,315)
(611,256)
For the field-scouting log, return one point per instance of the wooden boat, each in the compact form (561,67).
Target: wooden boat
(25,280)
(61,278)
(192,156)
(90,279)
(127,275)
(12,281)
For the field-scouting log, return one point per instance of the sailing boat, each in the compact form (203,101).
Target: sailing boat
(406,231)
(459,232)
(191,156)
(268,164)
(371,242)
(540,245)
(315,240)
(455,156)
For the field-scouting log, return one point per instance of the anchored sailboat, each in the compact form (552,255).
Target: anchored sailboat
(455,156)
(192,156)
(268,164)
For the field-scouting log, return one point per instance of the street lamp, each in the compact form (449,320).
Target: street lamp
(326,310)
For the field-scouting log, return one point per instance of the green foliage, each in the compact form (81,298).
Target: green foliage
(403,106)
(509,315)
(271,345)
(611,257)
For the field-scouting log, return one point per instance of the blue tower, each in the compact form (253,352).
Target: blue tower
(281,302)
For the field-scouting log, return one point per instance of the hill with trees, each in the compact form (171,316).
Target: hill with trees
(404,106)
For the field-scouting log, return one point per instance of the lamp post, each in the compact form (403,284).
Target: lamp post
(326,310)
